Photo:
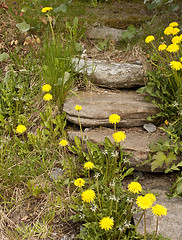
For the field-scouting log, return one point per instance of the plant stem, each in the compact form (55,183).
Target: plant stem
(80,127)
(98,193)
(156,227)
(144,213)
(53,37)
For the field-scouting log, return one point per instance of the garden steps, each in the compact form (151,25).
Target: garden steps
(136,143)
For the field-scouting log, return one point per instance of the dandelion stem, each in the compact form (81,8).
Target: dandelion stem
(80,127)
(98,193)
(53,37)
(156,227)
(144,213)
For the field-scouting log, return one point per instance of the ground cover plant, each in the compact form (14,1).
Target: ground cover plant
(37,74)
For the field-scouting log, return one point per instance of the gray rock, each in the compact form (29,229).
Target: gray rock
(56,173)
(104,33)
(111,74)
(136,142)
(98,106)
(149,127)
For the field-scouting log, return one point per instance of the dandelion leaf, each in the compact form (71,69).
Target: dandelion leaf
(159,160)
(23,27)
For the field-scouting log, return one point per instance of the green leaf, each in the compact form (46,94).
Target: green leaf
(61,8)
(173,7)
(74,207)
(108,143)
(75,199)
(4,56)
(77,141)
(154,147)
(129,33)
(179,164)
(170,158)
(179,187)
(23,27)
(159,160)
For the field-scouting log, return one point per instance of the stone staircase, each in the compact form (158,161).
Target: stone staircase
(115,93)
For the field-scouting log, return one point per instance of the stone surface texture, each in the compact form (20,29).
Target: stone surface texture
(136,142)
(104,33)
(112,74)
(98,106)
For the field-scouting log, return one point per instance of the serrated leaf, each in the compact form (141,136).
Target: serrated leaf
(4,56)
(23,27)
(179,187)
(159,160)
(154,147)
(171,157)
(61,8)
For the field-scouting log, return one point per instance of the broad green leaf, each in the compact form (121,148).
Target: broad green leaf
(180,164)
(23,27)
(129,33)
(154,147)
(171,157)
(61,8)
(159,160)
(4,56)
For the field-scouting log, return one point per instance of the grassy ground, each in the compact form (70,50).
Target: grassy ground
(34,205)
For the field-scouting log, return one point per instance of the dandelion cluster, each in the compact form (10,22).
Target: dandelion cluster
(47,97)
(135,187)
(78,108)
(89,165)
(172,48)
(79,182)
(114,118)
(119,136)
(63,143)
(149,39)
(176,65)
(21,129)
(46,9)
(46,88)
(88,196)
(159,210)
(106,223)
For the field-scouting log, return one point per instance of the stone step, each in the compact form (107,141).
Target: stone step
(169,225)
(111,74)
(98,106)
(136,142)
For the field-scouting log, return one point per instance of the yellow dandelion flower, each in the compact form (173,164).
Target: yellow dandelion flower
(79,182)
(46,9)
(143,202)
(47,97)
(21,129)
(175,65)
(119,136)
(78,108)
(149,39)
(181,59)
(172,48)
(135,187)
(168,31)
(175,31)
(166,122)
(151,196)
(176,39)
(173,24)
(88,196)
(159,210)
(162,47)
(114,118)
(63,143)
(89,165)
(106,223)
(46,88)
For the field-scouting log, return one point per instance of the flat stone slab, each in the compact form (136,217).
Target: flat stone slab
(98,106)
(104,33)
(169,225)
(136,142)
(111,74)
